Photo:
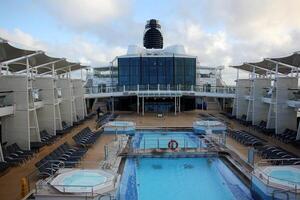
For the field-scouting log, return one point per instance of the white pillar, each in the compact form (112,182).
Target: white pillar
(113,105)
(175,105)
(27,67)
(138,105)
(179,105)
(143,105)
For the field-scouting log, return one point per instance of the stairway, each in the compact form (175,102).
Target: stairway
(212,103)
(100,103)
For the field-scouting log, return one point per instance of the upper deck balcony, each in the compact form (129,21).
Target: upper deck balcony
(6,103)
(160,90)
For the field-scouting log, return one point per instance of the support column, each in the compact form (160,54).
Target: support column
(175,105)
(113,105)
(143,105)
(179,105)
(138,105)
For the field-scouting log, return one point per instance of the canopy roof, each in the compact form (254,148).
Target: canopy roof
(293,60)
(285,65)
(15,58)
(249,68)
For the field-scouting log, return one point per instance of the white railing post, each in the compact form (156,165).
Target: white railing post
(158,87)
(124,88)
(148,87)
(192,87)
(138,87)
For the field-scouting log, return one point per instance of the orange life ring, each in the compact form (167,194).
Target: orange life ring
(173,144)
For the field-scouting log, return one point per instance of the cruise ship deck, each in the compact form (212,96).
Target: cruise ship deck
(151,124)
(10,181)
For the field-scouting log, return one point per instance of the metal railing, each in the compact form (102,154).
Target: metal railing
(6,98)
(269,180)
(161,145)
(45,187)
(160,87)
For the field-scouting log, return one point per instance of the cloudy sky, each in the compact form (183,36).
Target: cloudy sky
(219,32)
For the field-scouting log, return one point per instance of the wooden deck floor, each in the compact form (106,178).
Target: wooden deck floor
(10,183)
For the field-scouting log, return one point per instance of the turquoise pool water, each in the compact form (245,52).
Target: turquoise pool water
(149,140)
(84,178)
(291,175)
(180,179)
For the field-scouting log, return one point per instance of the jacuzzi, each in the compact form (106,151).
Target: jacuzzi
(206,126)
(120,127)
(283,175)
(82,181)
(276,182)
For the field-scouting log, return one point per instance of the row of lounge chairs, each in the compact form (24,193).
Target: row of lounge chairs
(246,138)
(48,139)
(288,136)
(65,128)
(262,127)
(243,120)
(279,155)
(4,166)
(14,155)
(86,137)
(63,156)
(106,118)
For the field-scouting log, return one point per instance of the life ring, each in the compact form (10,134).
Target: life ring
(173,144)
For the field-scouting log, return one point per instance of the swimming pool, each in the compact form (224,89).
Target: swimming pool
(159,139)
(180,178)
(82,180)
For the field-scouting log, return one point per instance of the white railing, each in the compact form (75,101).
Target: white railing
(160,88)
(260,173)
(42,186)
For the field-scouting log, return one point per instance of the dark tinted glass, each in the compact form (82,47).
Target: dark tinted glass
(156,70)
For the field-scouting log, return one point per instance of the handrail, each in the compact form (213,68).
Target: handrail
(161,88)
(89,190)
(262,175)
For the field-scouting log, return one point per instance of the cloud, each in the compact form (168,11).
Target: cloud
(110,21)
(87,13)
(218,32)
(78,49)
(235,31)
(22,39)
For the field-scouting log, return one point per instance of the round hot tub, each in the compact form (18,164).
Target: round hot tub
(120,127)
(284,175)
(78,181)
(208,126)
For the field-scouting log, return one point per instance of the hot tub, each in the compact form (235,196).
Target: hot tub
(284,175)
(120,127)
(276,182)
(208,126)
(82,181)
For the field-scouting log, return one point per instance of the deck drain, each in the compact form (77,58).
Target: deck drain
(156,166)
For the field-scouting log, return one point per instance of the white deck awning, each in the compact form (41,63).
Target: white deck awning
(285,65)
(17,59)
